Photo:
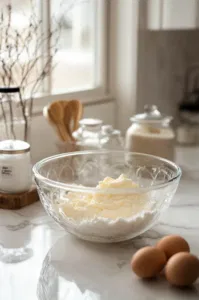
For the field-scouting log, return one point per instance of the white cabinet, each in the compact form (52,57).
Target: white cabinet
(172,14)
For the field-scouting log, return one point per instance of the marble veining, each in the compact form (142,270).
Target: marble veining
(53,265)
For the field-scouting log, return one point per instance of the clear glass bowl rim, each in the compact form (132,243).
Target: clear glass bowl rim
(83,189)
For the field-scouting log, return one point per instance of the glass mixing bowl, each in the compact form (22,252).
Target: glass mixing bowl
(80,172)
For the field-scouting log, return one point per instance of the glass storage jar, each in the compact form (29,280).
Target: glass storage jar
(14,118)
(88,135)
(151,133)
(111,138)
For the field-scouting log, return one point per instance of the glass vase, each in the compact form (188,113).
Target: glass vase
(14,120)
(16,130)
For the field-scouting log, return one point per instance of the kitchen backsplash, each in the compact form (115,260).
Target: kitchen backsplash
(163,58)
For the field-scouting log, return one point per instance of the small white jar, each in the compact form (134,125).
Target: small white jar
(15,166)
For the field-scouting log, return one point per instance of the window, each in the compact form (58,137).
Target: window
(80,60)
(16,48)
(75,59)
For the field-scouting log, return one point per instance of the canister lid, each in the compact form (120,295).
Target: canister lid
(14,147)
(90,122)
(151,115)
(87,126)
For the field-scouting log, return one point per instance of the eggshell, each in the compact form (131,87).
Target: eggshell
(182,269)
(173,244)
(148,262)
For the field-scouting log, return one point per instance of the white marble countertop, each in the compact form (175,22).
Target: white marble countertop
(57,266)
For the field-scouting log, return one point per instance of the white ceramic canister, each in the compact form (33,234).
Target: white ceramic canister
(15,166)
(151,133)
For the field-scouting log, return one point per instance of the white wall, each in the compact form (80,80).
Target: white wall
(164,57)
(123,58)
(147,67)
(43,137)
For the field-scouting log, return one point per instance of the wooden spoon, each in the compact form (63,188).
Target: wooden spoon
(73,113)
(78,112)
(48,118)
(56,114)
(64,116)
(68,115)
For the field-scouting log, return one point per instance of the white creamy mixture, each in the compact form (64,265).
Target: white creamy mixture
(82,206)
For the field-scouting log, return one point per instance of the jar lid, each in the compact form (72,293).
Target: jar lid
(151,115)
(90,122)
(87,126)
(14,147)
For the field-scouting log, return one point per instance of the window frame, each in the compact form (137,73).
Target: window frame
(101,77)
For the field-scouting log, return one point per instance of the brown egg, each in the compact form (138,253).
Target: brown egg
(173,244)
(148,262)
(182,269)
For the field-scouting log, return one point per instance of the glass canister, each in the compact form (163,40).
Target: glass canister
(14,119)
(151,133)
(15,166)
(88,135)
(111,138)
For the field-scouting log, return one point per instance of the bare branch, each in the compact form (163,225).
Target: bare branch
(21,52)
